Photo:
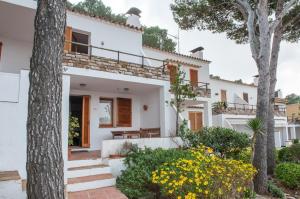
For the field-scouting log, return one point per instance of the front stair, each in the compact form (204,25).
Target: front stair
(88,174)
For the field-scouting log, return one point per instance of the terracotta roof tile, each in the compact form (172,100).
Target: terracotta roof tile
(106,20)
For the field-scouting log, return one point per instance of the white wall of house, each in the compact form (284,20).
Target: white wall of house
(232,89)
(150,118)
(15,55)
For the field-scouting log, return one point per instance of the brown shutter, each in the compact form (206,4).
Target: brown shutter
(124,112)
(173,72)
(194,77)
(0,49)
(223,96)
(85,129)
(196,120)
(68,38)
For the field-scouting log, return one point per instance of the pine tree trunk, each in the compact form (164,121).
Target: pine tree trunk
(271,159)
(45,176)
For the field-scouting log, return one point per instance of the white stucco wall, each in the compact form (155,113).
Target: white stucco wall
(232,89)
(150,118)
(15,55)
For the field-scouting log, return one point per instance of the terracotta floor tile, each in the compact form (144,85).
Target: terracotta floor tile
(101,193)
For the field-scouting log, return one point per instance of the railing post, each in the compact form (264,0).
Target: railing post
(142,61)
(118,57)
(90,46)
(163,69)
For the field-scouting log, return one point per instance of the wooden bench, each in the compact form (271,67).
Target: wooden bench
(150,132)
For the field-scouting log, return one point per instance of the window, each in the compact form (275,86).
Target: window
(173,72)
(106,112)
(83,40)
(124,112)
(194,77)
(0,49)
(72,37)
(223,96)
(196,120)
(245,97)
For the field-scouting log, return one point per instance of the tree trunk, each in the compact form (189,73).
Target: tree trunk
(45,176)
(273,73)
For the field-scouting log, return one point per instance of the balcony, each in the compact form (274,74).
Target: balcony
(108,60)
(242,109)
(201,89)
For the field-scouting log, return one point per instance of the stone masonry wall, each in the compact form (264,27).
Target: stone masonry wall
(79,60)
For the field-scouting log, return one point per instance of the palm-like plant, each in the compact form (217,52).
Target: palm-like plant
(256,126)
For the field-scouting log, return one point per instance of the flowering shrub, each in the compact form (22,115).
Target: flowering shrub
(203,175)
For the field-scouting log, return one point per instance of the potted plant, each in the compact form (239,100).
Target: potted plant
(73,126)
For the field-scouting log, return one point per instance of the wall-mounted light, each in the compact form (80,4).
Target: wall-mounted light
(82,85)
(145,107)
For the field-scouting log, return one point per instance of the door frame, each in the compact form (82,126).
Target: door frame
(85,126)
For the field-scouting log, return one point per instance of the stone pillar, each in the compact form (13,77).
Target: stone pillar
(207,114)
(285,136)
(164,111)
(293,132)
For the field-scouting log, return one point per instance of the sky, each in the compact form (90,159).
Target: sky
(229,60)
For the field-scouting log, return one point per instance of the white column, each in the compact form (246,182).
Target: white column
(293,132)
(207,114)
(285,136)
(65,120)
(164,113)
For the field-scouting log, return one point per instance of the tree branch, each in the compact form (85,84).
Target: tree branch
(283,13)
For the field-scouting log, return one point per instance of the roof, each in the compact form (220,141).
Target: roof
(106,20)
(230,81)
(200,48)
(178,54)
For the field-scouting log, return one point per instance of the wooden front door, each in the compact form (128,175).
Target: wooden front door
(194,77)
(196,120)
(223,96)
(85,128)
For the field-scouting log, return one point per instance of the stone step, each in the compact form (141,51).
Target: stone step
(81,163)
(88,170)
(90,182)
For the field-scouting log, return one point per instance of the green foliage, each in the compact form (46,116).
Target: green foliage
(73,127)
(290,154)
(225,16)
(158,38)
(296,141)
(219,106)
(293,98)
(244,155)
(275,191)
(227,142)
(288,174)
(135,181)
(97,8)
(256,125)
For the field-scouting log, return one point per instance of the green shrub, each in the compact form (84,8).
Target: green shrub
(288,174)
(275,191)
(296,141)
(290,154)
(135,181)
(243,156)
(226,141)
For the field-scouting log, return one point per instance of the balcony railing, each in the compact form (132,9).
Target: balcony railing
(118,55)
(242,109)
(201,89)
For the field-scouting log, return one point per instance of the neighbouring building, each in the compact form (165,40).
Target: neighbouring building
(117,88)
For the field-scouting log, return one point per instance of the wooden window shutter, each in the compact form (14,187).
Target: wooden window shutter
(173,72)
(124,112)
(68,38)
(85,128)
(194,77)
(223,96)
(192,121)
(0,49)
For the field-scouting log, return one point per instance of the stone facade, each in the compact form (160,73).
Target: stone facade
(79,60)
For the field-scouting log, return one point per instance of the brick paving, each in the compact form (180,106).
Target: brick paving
(101,193)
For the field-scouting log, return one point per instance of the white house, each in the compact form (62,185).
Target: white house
(240,105)
(114,85)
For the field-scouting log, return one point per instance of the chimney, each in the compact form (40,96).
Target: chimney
(255,80)
(133,18)
(197,52)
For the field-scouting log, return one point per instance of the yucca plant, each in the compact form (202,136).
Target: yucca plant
(256,126)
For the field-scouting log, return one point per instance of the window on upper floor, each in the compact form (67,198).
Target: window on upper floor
(194,77)
(246,97)
(76,41)
(223,96)
(173,72)
(1,44)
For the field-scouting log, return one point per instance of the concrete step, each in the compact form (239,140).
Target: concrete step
(82,171)
(81,163)
(90,182)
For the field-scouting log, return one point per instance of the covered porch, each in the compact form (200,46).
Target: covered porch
(114,107)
